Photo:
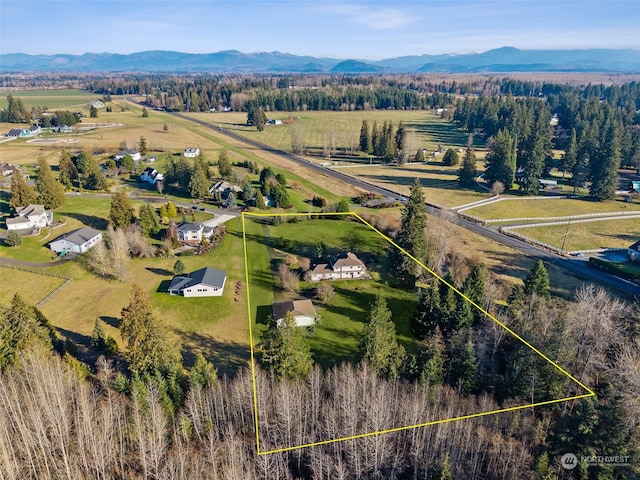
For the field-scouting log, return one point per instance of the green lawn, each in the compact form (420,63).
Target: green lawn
(528,208)
(50,98)
(343,128)
(587,235)
(336,337)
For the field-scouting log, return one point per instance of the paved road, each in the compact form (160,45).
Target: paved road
(576,267)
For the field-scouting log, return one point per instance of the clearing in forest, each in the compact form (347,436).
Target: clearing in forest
(300,235)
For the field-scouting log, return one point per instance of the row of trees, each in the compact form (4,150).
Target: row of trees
(180,424)
(48,191)
(382,141)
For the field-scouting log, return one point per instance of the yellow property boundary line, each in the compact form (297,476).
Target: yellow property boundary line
(590,393)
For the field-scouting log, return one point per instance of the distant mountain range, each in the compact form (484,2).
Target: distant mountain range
(505,59)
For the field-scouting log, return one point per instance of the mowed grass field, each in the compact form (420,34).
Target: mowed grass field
(337,336)
(552,207)
(50,99)
(440,182)
(32,287)
(342,129)
(216,326)
(588,235)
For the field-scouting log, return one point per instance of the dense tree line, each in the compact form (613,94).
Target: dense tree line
(596,125)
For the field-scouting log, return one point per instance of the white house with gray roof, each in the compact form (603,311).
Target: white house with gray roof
(206,282)
(30,217)
(78,241)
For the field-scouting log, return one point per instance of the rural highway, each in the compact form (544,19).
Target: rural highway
(574,266)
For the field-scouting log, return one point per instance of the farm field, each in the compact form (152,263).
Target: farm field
(440,182)
(32,287)
(341,128)
(588,235)
(552,207)
(50,99)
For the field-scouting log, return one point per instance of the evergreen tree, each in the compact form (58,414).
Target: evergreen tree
(121,213)
(13,238)
(474,288)
(448,304)
(603,182)
(203,373)
(93,112)
(280,196)
(128,164)
(256,117)
(467,174)
(284,349)
(178,267)
(148,220)
(570,156)
(463,366)
(365,137)
(501,160)
(248,194)
(433,370)
(379,344)
(21,330)
(260,201)
(22,194)
(535,151)
(224,165)
(50,191)
(411,236)
(145,112)
(375,139)
(150,345)
(142,146)
(400,137)
(419,157)
(67,170)
(98,337)
(537,281)
(451,157)
(199,182)
(427,315)
(94,179)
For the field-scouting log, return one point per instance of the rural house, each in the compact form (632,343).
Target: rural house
(342,266)
(78,241)
(224,189)
(193,233)
(96,104)
(206,282)
(151,175)
(8,169)
(302,310)
(29,217)
(191,152)
(134,154)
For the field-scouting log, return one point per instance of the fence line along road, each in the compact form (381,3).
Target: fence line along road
(575,267)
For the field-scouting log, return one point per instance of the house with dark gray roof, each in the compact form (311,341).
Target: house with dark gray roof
(77,241)
(206,282)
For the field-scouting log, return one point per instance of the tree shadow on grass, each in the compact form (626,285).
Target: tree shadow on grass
(227,357)
(92,221)
(160,271)
(111,321)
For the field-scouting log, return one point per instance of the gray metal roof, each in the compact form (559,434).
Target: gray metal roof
(211,277)
(80,236)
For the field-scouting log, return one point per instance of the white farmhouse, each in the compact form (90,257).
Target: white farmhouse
(30,217)
(206,282)
(191,152)
(78,241)
(341,267)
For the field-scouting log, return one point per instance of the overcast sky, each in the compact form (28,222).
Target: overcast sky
(366,29)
